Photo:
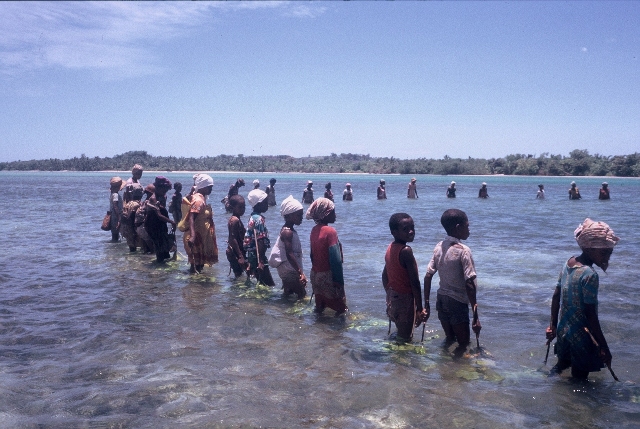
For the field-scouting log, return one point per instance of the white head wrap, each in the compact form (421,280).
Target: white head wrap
(290,205)
(595,235)
(256,196)
(202,181)
(256,182)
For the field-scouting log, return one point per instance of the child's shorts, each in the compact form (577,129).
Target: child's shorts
(451,311)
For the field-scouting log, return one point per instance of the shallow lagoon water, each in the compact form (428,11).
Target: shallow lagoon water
(92,336)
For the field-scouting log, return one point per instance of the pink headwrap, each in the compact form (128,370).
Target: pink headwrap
(319,209)
(595,235)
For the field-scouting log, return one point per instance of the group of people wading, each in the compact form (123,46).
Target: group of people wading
(141,215)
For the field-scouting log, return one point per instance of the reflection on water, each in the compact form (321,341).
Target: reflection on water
(93,336)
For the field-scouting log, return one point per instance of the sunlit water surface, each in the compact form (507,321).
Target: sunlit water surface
(92,336)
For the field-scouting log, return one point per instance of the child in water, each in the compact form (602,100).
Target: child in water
(307,194)
(574,192)
(604,192)
(256,239)
(235,252)
(271,192)
(175,207)
(286,255)
(576,299)
(328,194)
(400,279)
(326,258)
(382,192)
(458,285)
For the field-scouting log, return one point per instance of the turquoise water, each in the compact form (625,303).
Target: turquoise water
(92,336)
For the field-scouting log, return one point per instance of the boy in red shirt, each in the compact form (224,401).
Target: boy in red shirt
(400,279)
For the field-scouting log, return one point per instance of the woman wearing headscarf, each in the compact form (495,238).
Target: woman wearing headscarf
(200,239)
(256,238)
(286,254)
(580,342)
(326,258)
(157,218)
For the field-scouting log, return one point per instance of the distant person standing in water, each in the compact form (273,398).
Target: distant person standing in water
(540,194)
(271,192)
(451,190)
(307,194)
(347,195)
(200,239)
(157,218)
(233,190)
(412,190)
(175,207)
(382,192)
(115,206)
(136,174)
(604,192)
(483,192)
(574,192)
(328,194)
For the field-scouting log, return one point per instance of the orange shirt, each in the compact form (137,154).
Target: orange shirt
(396,273)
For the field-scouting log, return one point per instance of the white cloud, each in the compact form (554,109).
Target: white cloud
(112,38)
(583,49)
(115,40)
(305,11)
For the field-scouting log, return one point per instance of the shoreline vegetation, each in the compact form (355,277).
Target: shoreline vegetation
(578,163)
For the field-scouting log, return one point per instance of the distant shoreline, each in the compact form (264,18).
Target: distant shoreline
(579,163)
(275,173)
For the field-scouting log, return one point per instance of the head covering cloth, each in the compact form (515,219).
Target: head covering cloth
(162,182)
(135,190)
(256,196)
(116,181)
(202,181)
(136,167)
(319,209)
(595,235)
(290,205)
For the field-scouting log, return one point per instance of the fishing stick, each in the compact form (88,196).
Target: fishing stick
(475,313)
(546,357)
(424,326)
(312,298)
(597,345)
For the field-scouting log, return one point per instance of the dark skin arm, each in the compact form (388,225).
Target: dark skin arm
(192,228)
(261,251)
(427,292)
(470,286)
(286,236)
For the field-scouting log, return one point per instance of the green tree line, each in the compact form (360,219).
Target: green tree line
(578,163)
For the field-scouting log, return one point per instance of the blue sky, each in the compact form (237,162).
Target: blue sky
(403,79)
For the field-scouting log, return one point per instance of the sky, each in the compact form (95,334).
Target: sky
(401,79)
